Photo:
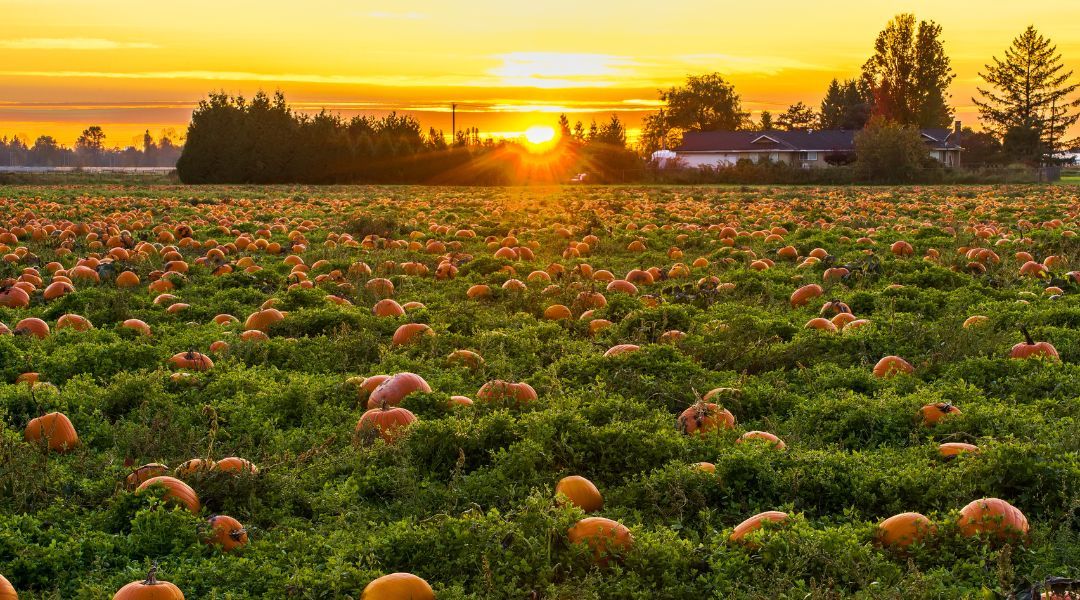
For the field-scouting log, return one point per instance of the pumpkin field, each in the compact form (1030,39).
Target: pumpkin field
(643,393)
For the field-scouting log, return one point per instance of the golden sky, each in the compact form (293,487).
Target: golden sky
(130,65)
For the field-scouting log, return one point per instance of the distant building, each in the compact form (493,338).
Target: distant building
(807,149)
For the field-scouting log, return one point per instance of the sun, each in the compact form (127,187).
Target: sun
(540,135)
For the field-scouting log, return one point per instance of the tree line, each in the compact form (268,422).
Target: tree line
(1026,107)
(90,150)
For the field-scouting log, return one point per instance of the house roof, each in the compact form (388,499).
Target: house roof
(821,140)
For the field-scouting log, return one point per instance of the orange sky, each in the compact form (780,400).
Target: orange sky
(128,65)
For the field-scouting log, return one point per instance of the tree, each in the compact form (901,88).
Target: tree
(704,103)
(1029,97)
(981,149)
(656,135)
(910,73)
(846,105)
(612,133)
(766,123)
(798,117)
(91,141)
(46,152)
(890,152)
(564,126)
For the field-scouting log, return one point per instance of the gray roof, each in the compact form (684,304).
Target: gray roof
(828,140)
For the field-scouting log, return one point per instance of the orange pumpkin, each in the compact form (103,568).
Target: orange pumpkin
(994,517)
(7,591)
(33,327)
(263,319)
(903,529)
(138,476)
(805,294)
(605,537)
(175,490)
(235,464)
(226,532)
(1029,348)
(504,391)
(55,429)
(387,307)
(705,417)
(579,492)
(392,390)
(764,436)
(398,586)
(891,365)
(953,449)
(932,414)
(149,589)
(195,361)
(387,422)
(755,523)
(411,332)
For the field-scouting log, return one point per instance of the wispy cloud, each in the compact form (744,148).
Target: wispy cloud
(400,16)
(562,69)
(750,65)
(72,44)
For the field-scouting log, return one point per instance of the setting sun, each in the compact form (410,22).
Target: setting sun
(539,135)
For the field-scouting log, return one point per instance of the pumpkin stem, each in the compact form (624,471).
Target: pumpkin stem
(236,534)
(151,577)
(1027,336)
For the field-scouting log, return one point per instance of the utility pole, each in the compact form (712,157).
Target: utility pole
(453,123)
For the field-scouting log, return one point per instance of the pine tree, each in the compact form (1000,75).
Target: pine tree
(1029,97)
(766,123)
(847,105)
(798,117)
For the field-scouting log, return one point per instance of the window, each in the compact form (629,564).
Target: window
(808,155)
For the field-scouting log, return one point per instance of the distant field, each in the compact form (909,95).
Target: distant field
(701,355)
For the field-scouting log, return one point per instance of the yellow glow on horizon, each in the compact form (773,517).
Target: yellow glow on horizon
(538,135)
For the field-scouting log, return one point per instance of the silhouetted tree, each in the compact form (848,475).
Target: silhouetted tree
(798,117)
(910,73)
(846,105)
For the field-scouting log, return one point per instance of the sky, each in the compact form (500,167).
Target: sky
(135,65)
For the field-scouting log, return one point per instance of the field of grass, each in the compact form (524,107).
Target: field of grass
(693,286)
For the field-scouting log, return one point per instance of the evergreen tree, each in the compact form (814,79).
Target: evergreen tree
(846,105)
(798,117)
(1028,103)
(766,123)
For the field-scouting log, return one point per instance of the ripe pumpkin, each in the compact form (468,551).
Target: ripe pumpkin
(500,391)
(263,319)
(138,476)
(580,492)
(194,466)
(754,523)
(765,436)
(392,390)
(705,417)
(605,537)
(995,517)
(7,591)
(891,366)
(903,529)
(387,307)
(387,422)
(1029,348)
(175,490)
(235,464)
(805,294)
(953,449)
(137,325)
(398,586)
(54,428)
(467,358)
(149,589)
(195,361)
(932,414)
(226,532)
(621,349)
(33,327)
(411,332)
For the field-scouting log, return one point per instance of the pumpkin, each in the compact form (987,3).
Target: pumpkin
(903,529)
(500,391)
(604,537)
(901,248)
(410,332)
(7,591)
(932,414)
(195,361)
(821,323)
(193,466)
(263,319)
(579,492)
(55,429)
(994,517)
(765,436)
(387,307)
(388,422)
(234,464)
(953,449)
(76,322)
(460,401)
(621,349)
(755,523)
(149,589)
(33,327)
(143,473)
(557,312)
(467,358)
(175,490)
(1029,348)
(705,417)
(708,467)
(394,389)
(834,307)
(13,297)
(975,321)
(891,366)
(137,325)
(398,586)
(805,294)
(226,532)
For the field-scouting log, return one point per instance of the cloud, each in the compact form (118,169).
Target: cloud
(72,44)
(562,69)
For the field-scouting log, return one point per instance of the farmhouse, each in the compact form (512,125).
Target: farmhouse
(807,149)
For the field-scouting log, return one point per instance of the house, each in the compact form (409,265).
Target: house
(807,149)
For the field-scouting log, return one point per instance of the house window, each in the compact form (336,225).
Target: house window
(808,156)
